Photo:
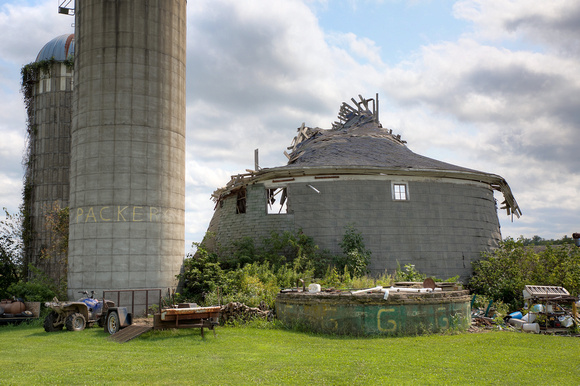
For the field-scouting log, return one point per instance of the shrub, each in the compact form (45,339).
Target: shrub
(331,278)
(560,266)
(11,251)
(277,249)
(504,273)
(201,274)
(356,257)
(253,284)
(410,273)
(31,291)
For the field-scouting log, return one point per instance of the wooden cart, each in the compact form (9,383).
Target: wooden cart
(193,317)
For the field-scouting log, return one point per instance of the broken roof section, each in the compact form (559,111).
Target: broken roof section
(358,144)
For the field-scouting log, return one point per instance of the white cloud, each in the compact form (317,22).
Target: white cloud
(510,111)
(27,27)
(554,24)
(363,48)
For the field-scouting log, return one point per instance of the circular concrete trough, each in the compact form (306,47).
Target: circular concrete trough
(371,314)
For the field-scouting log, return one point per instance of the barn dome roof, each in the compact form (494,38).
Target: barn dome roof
(60,48)
(358,144)
(358,140)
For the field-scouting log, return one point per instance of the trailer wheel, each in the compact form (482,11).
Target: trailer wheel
(75,322)
(112,325)
(50,323)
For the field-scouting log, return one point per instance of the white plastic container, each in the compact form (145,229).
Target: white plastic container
(530,317)
(314,288)
(517,323)
(566,321)
(531,327)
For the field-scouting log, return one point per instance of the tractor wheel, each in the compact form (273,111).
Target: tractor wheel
(50,323)
(112,325)
(75,322)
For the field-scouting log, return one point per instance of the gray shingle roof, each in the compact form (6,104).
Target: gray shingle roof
(359,144)
(363,144)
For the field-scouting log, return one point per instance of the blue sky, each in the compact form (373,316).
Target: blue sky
(398,28)
(492,85)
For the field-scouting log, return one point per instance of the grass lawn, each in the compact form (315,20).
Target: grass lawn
(252,355)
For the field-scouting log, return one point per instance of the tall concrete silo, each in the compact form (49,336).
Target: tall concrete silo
(127,194)
(47,87)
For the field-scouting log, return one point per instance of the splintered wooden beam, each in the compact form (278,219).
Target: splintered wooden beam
(349,107)
(364,102)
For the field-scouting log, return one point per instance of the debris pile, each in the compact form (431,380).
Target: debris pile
(239,311)
(548,310)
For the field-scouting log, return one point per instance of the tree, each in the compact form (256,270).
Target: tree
(356,257)
(11,251)
(504,273)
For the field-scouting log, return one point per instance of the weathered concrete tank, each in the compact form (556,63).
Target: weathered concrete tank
(372,314)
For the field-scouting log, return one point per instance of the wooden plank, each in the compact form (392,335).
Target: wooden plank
(206,315)
(128,333)
(195,310)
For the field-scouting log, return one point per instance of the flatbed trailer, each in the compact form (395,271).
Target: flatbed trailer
(193,317)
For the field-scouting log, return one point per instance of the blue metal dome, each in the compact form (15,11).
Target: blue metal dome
(59,48)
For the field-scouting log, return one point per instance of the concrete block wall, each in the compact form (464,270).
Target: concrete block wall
(441,229)
(230,226)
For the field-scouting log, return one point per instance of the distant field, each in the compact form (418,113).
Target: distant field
(252,355)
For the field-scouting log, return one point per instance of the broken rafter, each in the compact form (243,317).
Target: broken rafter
(304,133)
(509,203)
(347,112)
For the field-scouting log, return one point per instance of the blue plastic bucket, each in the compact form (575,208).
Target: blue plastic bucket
(516,315)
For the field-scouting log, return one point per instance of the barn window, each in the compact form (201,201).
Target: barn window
(277,200)
(400,192)
(241,201)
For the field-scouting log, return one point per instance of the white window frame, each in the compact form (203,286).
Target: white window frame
(397,192)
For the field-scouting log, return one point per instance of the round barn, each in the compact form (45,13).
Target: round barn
(409,208)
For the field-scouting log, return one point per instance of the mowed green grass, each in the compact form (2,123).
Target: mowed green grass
(252,355)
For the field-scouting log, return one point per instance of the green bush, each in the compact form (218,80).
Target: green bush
(31,291)
(201,275)
(410,273)
(11,251)
(8,273)
(277,249)
(356,257)
(504,273)
(560,266)
(254,283)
